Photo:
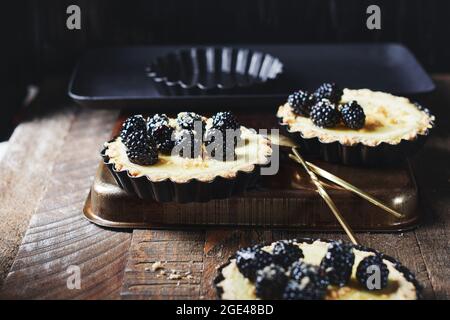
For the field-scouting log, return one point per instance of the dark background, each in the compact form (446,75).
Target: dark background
(38,45)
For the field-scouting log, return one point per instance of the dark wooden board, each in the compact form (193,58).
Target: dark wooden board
(21,185)
(59,237)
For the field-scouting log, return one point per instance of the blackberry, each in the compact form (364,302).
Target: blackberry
(188,120)
(296,291)
(301,102)
(353,115)
(270,282)
(286,252)
(225,120)
(324,114)
(141,148)
(227,123)
(338,262)
(162,134)
(293,291)
(363,273)
(313,281)
(157,119)
(131,124)
(217,140)
(188,143)
(329,91)
(250,260)
(166,146)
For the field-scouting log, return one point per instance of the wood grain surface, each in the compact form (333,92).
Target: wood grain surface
(173,264)
(22,184)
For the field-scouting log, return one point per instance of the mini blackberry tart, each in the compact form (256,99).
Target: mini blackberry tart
(318,269)
(187,158)
(355,126)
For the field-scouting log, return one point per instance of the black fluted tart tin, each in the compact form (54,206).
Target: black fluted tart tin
(409,276)
(358,154)
(191,191)
(214,70)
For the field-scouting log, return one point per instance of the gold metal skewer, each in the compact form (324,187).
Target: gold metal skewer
(326,197)
(327,175)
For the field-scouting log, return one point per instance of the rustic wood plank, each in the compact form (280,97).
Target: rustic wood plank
(58,236)
(180,254)
(433,176)
(434,241)
(28,160)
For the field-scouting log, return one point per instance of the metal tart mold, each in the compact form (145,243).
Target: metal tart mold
(359,153)
(408,275)
(212,70)
(192,190)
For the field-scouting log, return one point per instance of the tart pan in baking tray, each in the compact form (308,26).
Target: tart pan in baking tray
(409,276)
(285,200)
(191,191)
(358,154)
(117,77)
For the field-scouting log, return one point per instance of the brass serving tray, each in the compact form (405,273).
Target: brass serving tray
(286,200)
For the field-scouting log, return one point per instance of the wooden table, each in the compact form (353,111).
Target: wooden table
(47,173)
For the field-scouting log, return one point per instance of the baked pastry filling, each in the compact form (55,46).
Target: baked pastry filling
(313,270)
(248,150)
(384,118)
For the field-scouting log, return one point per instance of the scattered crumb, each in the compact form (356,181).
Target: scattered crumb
(156,266)
(179,275)
(171,274)
(174,276)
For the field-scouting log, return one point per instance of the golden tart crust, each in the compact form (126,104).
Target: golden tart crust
(389,119)
(256,150)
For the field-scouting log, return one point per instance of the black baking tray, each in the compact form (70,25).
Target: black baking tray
(116,77)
